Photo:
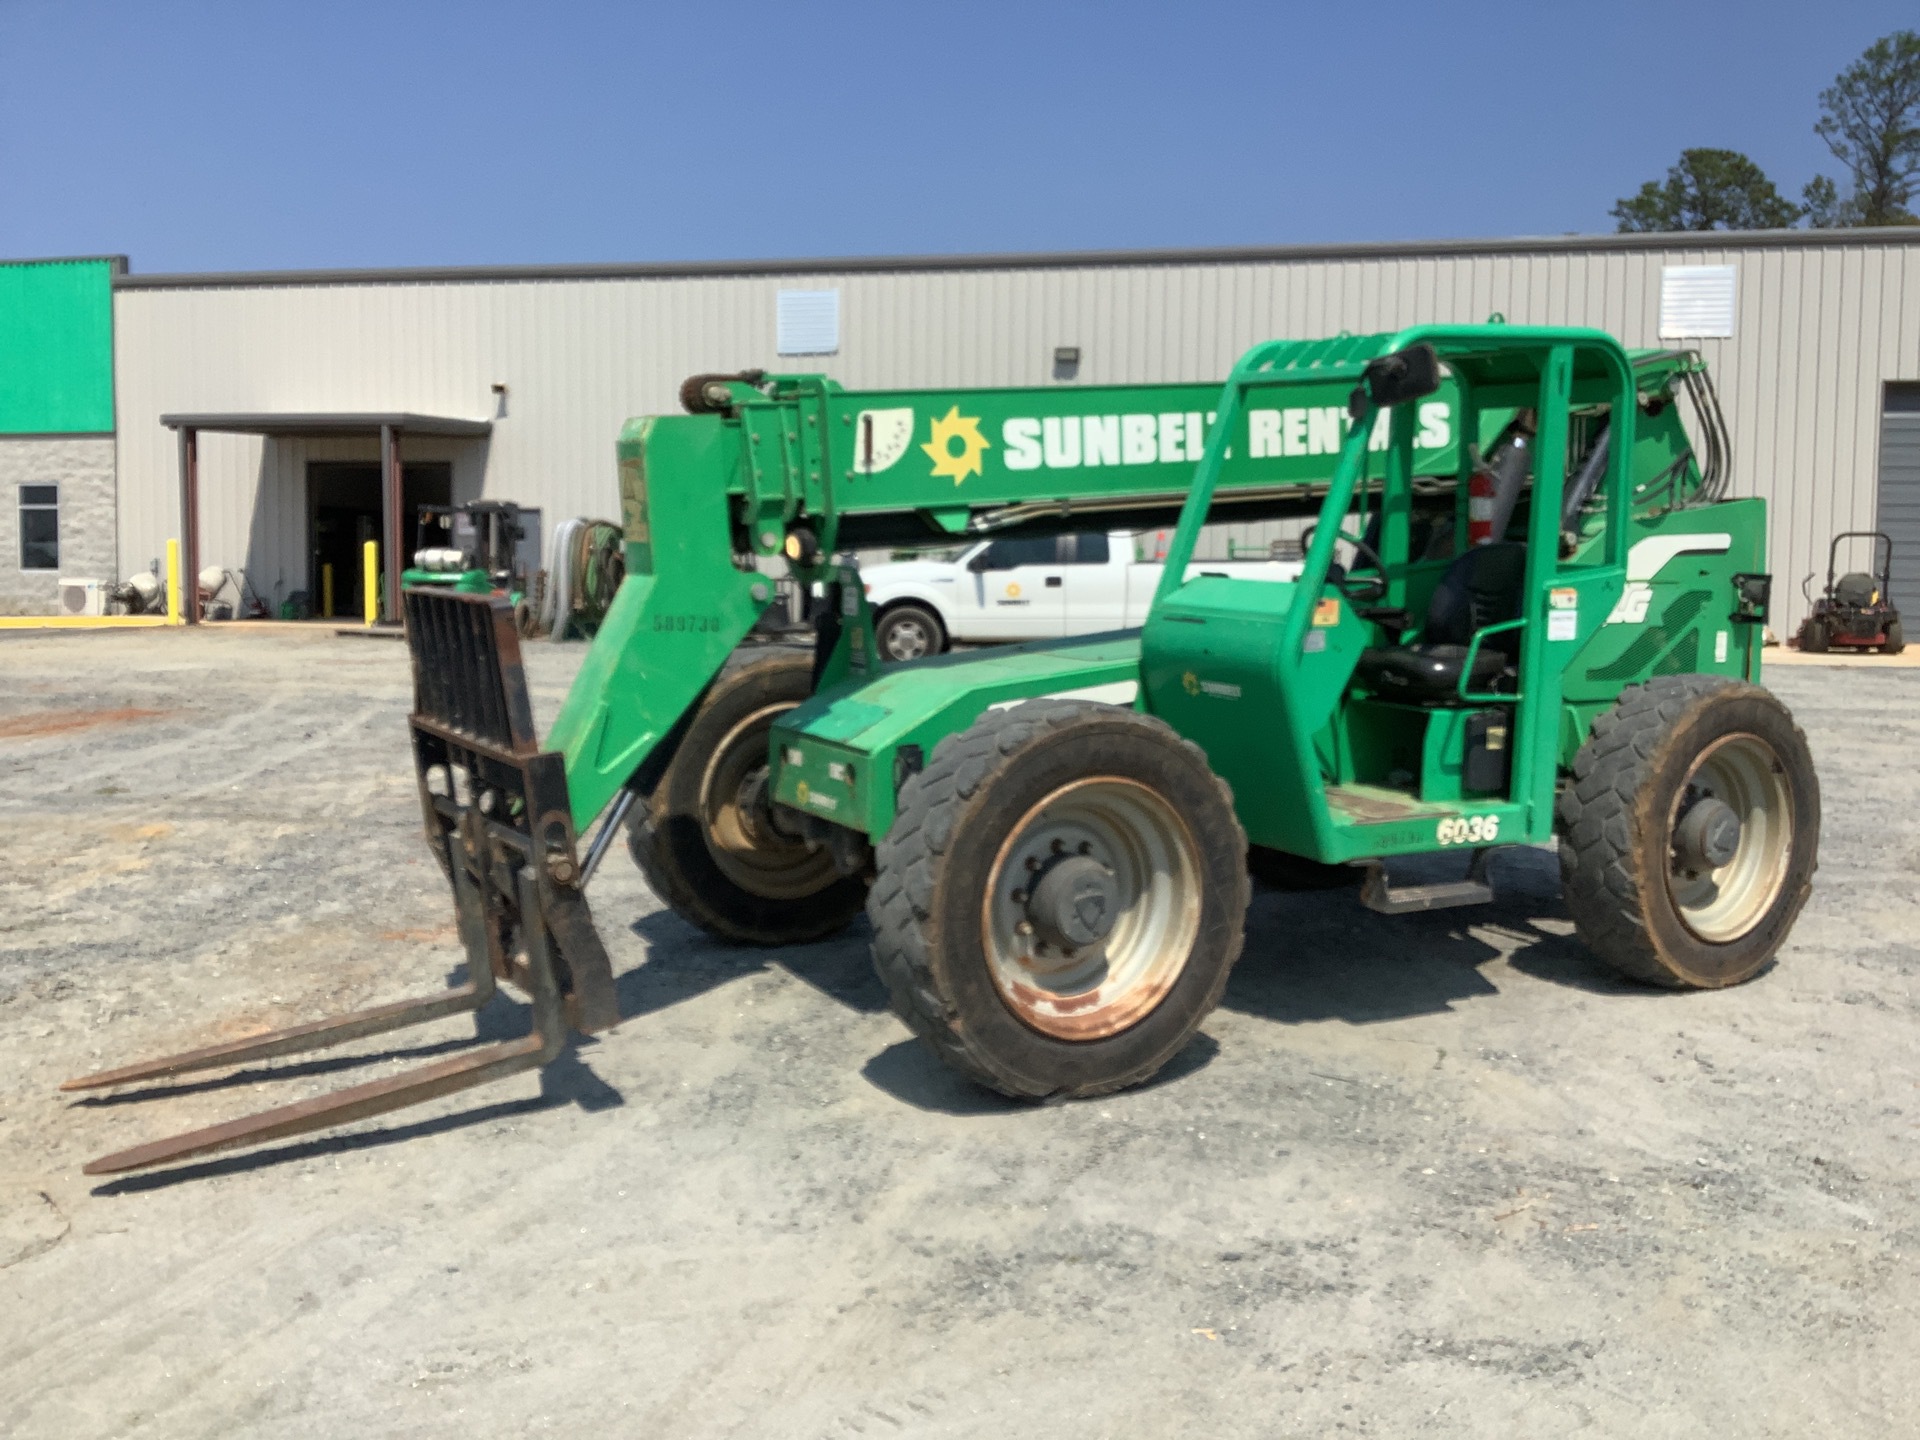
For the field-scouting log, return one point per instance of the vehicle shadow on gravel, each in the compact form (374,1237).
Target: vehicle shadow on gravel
(912,1074)
(1318,956)
(684,961)
(325,1145)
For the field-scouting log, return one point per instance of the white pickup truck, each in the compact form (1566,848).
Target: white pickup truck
(1028,589)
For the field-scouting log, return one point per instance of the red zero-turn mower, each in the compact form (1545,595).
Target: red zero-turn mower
(1854,613)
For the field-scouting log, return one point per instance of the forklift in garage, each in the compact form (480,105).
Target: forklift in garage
(1548,629)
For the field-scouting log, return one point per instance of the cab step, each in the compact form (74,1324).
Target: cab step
(1378,893)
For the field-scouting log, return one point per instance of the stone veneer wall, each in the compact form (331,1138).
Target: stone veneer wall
(83,467)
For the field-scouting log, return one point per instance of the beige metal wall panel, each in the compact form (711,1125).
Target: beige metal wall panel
(1818,330)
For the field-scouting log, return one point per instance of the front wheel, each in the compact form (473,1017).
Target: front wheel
(1060,898)
(909,632)
(711,844)
(1690,831)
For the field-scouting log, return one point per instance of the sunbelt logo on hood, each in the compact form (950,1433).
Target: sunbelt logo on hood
(956,445)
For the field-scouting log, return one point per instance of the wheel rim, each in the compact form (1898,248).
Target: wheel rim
(1149,854)
(742,835)
(1722,903)
(907,638)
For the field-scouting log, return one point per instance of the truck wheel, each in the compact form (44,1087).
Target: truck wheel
(1690,831)
(1814,639)
(709,842)
(1060,898)
(908,631)
(1896,639)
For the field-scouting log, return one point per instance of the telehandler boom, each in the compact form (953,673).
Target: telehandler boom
(1527,611)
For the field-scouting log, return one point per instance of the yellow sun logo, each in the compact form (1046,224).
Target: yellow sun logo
(1190,683)
(946,430)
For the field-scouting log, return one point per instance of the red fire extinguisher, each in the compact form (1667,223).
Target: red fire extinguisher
(1480,507)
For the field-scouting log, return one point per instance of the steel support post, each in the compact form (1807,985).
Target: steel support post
(189,442)
(392,508)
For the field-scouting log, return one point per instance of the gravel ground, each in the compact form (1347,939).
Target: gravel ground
(1435,1175)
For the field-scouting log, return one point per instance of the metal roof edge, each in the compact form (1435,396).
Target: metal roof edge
(1026,260)
(116,263)
(325,422)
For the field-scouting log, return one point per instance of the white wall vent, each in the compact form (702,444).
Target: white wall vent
(809,322)
(1696,302)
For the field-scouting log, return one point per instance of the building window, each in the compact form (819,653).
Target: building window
(39,527)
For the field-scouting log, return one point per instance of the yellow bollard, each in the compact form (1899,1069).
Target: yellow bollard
(326,591)
(175,615)
(371,580)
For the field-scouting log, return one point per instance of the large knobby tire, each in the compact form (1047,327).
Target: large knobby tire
(908,632)
(1060,817)
(707,841)
(1896,640)
(1814,638)
(1690,831)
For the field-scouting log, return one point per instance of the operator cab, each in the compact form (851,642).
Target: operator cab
(1430,670)
(1433,703)
(1481,588)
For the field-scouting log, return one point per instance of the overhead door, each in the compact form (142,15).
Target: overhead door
(1900,491)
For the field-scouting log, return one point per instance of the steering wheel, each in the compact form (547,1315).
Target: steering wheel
(1364,590)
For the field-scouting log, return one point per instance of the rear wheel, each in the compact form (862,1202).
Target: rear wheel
(1690,831)
(1896,640)
(1814,637)
(908,631)
(709,841)
(1060,898)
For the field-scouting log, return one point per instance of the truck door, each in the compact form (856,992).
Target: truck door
(1095,566)
(1016,590)
(1141,577)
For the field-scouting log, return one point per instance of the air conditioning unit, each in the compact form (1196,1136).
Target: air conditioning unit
(82,597)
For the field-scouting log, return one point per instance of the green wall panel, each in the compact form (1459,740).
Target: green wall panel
(56,347)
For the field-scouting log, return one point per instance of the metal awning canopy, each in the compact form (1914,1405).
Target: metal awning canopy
(317,423)
(388,425)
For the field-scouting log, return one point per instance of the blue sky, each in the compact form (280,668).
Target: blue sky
(198,136)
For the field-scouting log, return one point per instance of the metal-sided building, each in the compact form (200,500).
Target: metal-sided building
(283,388)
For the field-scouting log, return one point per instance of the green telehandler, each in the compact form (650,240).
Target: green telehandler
(1528,611)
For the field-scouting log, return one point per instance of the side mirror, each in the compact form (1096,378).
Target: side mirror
(1408,374)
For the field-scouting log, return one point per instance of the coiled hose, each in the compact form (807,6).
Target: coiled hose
(584,571)
(599,565)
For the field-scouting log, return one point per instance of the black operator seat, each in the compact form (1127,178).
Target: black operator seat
(1483,587)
